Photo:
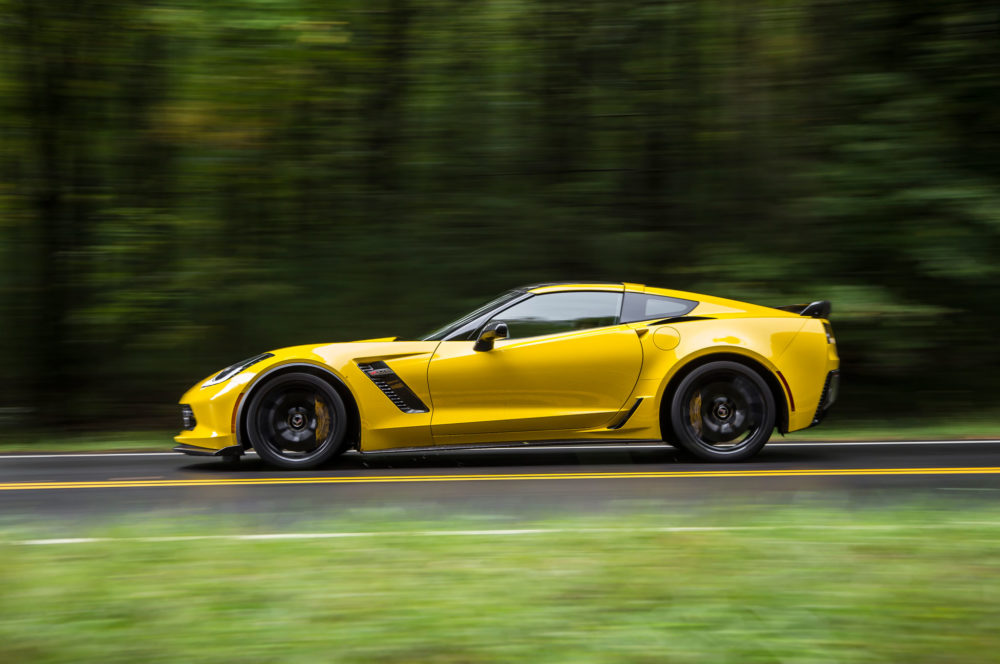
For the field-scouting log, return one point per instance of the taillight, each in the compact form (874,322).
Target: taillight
(829,333)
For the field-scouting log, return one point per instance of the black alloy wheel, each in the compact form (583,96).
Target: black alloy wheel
(296,420)
(722,411)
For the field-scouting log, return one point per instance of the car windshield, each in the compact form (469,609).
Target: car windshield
(441,333)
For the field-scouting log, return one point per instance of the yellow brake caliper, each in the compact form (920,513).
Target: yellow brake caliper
(694,413)
(322,421)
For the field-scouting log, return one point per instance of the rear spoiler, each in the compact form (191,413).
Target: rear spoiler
(817,309)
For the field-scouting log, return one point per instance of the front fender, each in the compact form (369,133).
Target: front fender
(217,407)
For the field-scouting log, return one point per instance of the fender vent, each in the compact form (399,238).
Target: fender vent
(393,387)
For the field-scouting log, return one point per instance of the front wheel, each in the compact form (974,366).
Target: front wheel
(722,411)
(296,420)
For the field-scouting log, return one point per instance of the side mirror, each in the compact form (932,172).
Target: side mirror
(494,330)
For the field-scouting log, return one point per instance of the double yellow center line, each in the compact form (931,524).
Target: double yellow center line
(487,477)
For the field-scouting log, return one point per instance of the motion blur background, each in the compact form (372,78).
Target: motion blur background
(185,183)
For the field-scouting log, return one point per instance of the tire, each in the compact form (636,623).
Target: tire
(722,411)
(296,421)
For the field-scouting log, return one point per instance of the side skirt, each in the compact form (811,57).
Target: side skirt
(524,444)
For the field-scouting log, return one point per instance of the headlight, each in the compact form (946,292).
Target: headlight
(234,369)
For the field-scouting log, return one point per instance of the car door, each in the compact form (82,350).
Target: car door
(566,365)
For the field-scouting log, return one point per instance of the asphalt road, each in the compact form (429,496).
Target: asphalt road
(508,482)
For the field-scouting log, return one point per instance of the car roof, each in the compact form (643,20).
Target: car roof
(617,286)
(547,284)
(708,304)
(550,286)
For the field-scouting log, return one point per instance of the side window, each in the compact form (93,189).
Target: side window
(552,313)
(640,306)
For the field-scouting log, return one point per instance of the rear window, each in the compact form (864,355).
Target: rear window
(641,306)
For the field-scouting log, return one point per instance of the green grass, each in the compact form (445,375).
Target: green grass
(98,441)
(915,586)
(938,428)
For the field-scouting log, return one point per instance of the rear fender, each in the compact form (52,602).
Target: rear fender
(764,367)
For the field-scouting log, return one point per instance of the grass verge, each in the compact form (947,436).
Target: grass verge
(785,585)
(901,429)
(98,441)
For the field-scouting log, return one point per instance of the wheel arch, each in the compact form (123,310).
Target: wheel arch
(353,435)
(751,362)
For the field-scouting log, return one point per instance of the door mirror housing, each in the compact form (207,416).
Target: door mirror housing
(494,330)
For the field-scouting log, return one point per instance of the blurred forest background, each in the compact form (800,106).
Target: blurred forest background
(185,183)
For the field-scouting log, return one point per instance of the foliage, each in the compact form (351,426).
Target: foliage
(185,183)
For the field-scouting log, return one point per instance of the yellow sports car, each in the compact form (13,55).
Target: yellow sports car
(543,363)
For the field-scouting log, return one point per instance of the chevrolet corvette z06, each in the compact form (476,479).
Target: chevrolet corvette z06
(542,363)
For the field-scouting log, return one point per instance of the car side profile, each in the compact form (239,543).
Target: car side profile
(543,363)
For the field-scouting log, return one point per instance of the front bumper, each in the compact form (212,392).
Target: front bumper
(209,420)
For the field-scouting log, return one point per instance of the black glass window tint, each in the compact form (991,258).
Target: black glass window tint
(551,313)
(640,306)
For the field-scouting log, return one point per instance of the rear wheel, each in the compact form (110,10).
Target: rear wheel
(722,411)
(296,421)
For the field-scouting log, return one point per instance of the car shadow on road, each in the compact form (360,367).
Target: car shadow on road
(526,457)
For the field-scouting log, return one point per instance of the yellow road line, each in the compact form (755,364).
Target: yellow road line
(491,477)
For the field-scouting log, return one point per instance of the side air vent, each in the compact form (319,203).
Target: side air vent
(393,387)
(621,421)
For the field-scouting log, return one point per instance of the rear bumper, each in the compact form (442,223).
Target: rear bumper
(232,450)
(828,397)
